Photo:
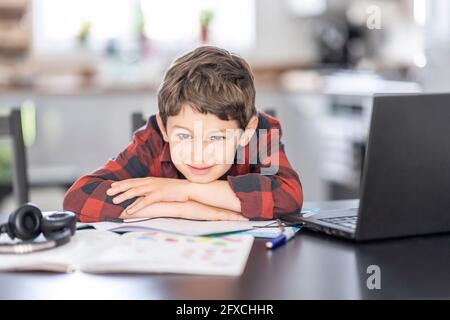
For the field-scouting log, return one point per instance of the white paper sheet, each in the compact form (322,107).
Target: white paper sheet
(180,226)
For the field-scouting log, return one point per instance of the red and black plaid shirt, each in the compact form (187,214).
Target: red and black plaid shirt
(261,196)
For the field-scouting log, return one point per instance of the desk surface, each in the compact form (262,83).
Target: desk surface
(311,266)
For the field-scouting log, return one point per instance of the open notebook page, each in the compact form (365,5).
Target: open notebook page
(138,252)
(181,226)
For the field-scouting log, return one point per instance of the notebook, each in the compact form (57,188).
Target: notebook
(95,251)
(180,226)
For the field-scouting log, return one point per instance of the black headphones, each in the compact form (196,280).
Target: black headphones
(27,223)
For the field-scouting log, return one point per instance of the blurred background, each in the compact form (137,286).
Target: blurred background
(78,70)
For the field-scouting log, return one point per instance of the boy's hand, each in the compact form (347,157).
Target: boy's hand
(185,210)
(150,189)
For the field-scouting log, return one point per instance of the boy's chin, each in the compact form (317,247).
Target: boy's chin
(200,179)
(214,174)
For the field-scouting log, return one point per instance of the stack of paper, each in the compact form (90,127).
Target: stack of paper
(263,229)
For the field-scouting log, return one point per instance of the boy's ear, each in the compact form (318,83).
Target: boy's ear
(249,131)
(162,128)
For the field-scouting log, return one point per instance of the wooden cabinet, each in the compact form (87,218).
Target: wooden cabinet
(15,42)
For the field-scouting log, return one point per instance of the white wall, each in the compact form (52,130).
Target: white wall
(280,36)
(436,75)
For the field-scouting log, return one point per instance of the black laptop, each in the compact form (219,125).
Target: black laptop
(405,185)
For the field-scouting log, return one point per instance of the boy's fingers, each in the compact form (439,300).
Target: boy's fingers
(112,191)
(126,181)
(123,181)
(115,190)
(139,199)
(124,185)
(121,188)
(147,200)
(130,194)
(135,208)
(133,204)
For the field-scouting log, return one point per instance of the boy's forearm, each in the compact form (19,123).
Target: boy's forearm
(83,200)
(158,209)
(217,194)
(175,210)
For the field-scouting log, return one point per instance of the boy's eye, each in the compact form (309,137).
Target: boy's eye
(184,136)
(217,138)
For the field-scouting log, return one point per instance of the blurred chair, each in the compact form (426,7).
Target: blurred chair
(11,126)
(137,121)
(271,112)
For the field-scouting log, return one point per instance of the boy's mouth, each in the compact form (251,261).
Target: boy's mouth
(199,170)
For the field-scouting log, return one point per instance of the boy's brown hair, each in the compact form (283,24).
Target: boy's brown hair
(210,80)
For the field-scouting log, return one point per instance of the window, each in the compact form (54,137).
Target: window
(57,23)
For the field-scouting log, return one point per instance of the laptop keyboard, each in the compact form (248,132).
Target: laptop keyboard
(348,222)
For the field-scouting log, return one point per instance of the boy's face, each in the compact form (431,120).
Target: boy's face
(202,146)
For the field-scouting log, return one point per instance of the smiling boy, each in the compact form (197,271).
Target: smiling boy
(207,155)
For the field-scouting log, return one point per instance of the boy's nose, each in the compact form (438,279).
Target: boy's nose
(197,151)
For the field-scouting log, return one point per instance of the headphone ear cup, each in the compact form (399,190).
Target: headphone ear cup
(57,225)
(25,222)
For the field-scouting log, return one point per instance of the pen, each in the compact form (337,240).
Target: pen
(284,237)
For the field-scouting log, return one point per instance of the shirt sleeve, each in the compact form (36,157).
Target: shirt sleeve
(87,197)
(271,188)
